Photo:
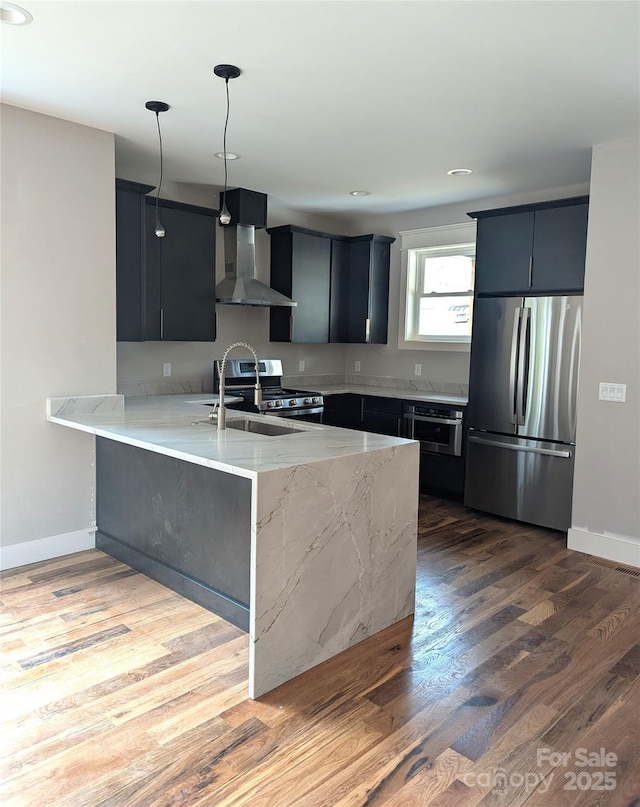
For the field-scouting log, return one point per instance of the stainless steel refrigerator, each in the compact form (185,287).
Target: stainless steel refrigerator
(521,418)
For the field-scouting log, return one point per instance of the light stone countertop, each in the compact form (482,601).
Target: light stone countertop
(388,392)
(333,520)
(177,425)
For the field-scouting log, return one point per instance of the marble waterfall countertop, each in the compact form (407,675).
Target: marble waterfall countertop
(178,426)
(333,521)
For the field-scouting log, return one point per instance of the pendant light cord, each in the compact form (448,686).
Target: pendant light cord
(161,167)
(224,147)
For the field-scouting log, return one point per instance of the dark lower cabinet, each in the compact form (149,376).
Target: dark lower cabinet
(369,413)
(382,415)
(442,475)
(344,410)
(165,287)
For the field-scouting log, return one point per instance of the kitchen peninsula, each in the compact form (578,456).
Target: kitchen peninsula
(318,525)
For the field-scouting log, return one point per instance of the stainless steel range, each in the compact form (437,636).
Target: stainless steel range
(240,377)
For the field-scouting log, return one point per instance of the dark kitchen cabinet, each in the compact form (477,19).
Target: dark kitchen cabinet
(532,248)
(382,415)
(130,259)
(344,410)
(165,287)
(300,269)
(340,283)
(369,413)
(360,289)
(180,273)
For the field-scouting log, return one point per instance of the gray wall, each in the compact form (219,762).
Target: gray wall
(57,324)
(606,509)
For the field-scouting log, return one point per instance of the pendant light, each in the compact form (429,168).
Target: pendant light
(158,107)
(225,71)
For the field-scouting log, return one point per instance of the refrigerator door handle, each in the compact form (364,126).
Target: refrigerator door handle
(513,368)
(523,361)
(550,452)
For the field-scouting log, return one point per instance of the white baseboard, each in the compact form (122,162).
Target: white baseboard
(53,546)
(618,548)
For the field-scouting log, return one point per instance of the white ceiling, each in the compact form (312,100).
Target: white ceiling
(380,95)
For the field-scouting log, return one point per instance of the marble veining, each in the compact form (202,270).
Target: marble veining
(161,387)
(333,522)
(335,545)
(85,405)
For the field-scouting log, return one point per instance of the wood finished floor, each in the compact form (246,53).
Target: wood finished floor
(119,693)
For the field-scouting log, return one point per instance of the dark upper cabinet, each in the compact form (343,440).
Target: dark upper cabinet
(130,257)
(180,273)
(360,289)
(165,287)
(300,269)
(532,248)
(341,285)
(559,248)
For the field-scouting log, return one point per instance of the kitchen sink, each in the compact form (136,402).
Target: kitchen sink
(261,427)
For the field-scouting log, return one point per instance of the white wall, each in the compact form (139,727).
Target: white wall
(606,500)
(57,325)
(141,363)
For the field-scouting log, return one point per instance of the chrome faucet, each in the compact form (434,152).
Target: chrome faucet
(257,397)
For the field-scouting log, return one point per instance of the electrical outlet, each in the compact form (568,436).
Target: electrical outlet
(301,366)
(612,392)
(418,369)
(357,366)
(166,369)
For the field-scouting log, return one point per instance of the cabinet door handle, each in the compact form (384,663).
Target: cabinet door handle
(367,329)
(291,327)
(530,269)
(162,323)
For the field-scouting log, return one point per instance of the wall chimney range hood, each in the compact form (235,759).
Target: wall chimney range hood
(240,286)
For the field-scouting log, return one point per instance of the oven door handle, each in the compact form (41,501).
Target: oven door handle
(427,419)
(292,413)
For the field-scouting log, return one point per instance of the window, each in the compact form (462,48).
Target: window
(436,301)
(440,294)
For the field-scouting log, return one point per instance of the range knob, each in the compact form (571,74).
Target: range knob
(308,401)
(278,403)
(317,400)
(271,404)
(293,402)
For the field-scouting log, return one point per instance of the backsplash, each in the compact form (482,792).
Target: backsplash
(360,380)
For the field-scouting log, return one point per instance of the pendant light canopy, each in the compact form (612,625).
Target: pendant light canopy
(158,107)
(225,71)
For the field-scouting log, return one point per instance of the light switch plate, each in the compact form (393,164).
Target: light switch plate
(418,369)
(612,392)
(357,366)
(301,366)
(166,369)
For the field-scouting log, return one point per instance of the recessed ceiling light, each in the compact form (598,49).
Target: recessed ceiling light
(460,172)
(359,193)
(14,15)
(231,155)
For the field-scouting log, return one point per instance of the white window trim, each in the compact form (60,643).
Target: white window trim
(425,238)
